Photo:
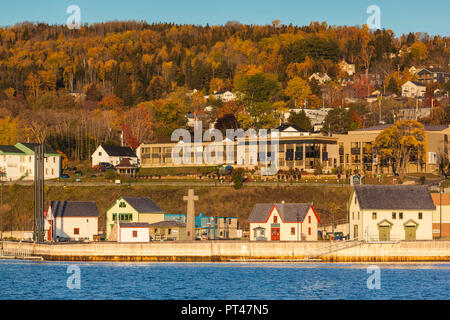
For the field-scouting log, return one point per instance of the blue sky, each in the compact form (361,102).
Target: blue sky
(431,16)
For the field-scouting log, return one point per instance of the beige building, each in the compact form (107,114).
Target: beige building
(302,150)
(443,219)
(168,230)
(283,222)
(132,209)
(353,150)
(391,213)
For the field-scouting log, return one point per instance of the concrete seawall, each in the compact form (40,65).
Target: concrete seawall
(221,251)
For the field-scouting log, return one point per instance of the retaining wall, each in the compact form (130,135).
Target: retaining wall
(433,250)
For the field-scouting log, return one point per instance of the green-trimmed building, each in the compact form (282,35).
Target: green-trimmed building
(17,162)
(132,209)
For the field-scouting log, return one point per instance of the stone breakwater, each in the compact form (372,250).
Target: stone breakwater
(224,251)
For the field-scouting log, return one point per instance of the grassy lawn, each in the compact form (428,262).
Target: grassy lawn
(223,201)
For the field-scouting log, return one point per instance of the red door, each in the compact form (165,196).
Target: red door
(275,234)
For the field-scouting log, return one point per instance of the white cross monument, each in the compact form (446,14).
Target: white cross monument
(190,223)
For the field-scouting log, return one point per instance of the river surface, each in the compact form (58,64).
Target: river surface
(211,281)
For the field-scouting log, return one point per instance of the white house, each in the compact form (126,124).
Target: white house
(349,68)
(75,220)
(134,232)
(225,96)
(283,222)
(413,89)
(113,155)
(389,213)
(17,162)
(321,78)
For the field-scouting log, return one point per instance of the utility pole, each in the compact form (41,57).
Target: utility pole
(1,204)
(440,212)
(39,193)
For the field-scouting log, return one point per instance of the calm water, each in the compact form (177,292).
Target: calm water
(48,280)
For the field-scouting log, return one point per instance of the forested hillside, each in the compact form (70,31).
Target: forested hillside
(78,88)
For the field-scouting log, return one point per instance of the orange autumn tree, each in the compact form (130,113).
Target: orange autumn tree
(399,142)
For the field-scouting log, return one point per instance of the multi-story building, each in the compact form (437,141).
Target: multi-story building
(17,162)
(354,150)
(413,89)
(305,151)
(431,75)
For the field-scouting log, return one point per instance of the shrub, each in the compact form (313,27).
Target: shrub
(110,175)
(238,178)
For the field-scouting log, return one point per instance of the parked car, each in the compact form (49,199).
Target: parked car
(339,236)
(103,166)
(78,173)
(64,176)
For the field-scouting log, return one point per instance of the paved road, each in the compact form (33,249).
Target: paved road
(178,184)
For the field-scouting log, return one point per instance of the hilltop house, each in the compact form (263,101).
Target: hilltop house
(431,75)
(283,222)
(321,78)
(17,162)
(74,220)
(387,212)
(113,155)
(349,68)
(225,96)
(132,209)
(413,89)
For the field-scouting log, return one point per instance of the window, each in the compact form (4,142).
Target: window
(169,231)
(394,215)
(100,154)
(309,231)
(275,219)
(76,231)
(309,219)
(134,233)
(122,205)
(400,215)
(292,231)
(374,215)
(420,215)
(54,159)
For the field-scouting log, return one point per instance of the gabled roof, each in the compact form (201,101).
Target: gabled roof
(125,163)
(143,205)
(168,223)
(388,197)
(115,151)
(31,145)
(10,150)
(285,126)
(287,211)
(134,224)
(74,209)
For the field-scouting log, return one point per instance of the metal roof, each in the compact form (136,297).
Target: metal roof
(74,209)
(387,197)
(143,205)
(287,211)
